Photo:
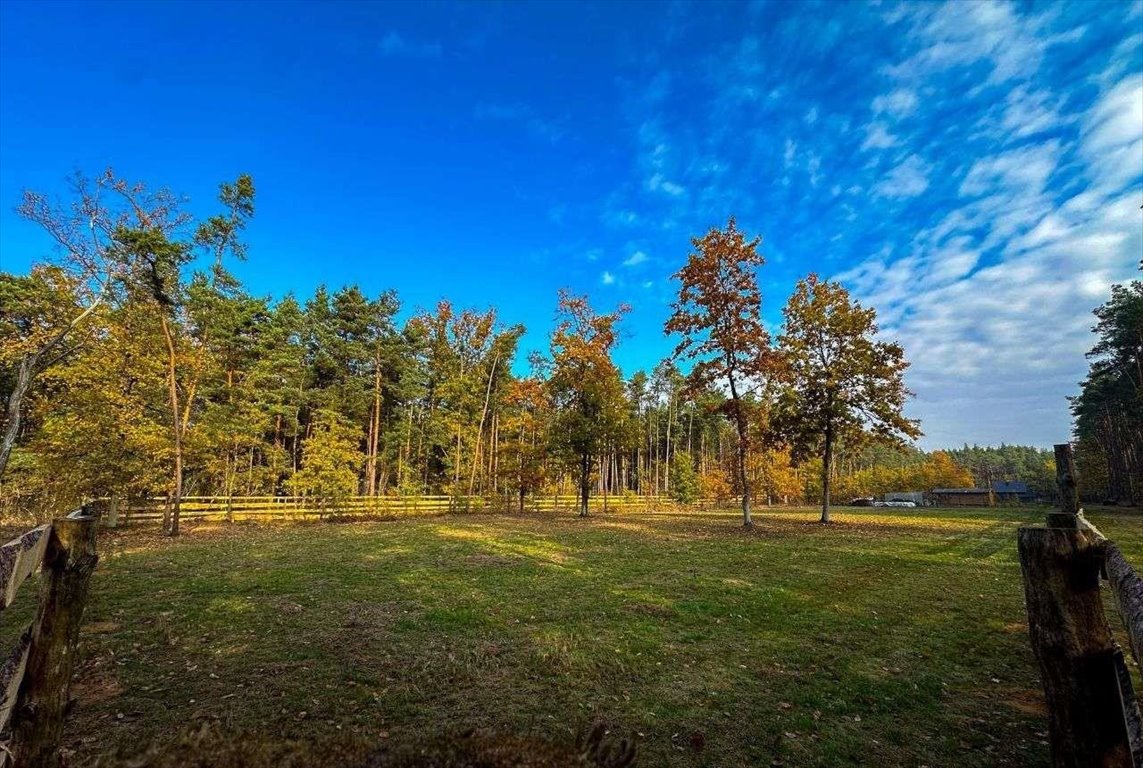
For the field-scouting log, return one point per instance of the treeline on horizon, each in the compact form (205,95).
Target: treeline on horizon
(126,376)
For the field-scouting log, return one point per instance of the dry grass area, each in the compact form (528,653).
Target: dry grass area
(893,637)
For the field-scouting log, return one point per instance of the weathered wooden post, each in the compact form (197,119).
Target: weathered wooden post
(42,700)
(1079,661)
(111,516)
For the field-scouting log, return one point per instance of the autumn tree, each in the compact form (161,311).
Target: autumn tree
(331,457)
(838,381)
(88,270)
(719,316)
(156,245)
(586,386)
(526,422)
(97,417)
(465,376)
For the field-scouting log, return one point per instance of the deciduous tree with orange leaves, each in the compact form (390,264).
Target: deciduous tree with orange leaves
(586,386)
(719,316)
(839,383)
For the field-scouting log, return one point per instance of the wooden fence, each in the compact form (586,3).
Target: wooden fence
(36,675)
(1093,714)
(299,507)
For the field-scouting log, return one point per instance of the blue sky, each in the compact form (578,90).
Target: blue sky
(972,170)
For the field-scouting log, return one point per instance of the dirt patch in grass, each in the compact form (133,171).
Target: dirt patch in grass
(369,615)
(96,683)
(1027,700)
(649,609)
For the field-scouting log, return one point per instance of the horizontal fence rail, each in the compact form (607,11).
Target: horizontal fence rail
(255,507)
(19,559)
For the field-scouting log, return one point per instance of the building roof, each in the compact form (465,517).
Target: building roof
(960,490)
(1013,487)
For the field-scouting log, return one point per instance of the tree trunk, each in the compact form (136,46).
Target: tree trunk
(827,460)
(30,366)
(743,436)
(480,429)
(374,428)
(584,483)
(24,374)
(176,431)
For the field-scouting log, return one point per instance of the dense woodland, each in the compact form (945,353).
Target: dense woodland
(1109,409)
(135,364)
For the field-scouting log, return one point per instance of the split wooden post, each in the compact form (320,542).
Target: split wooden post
(1079,661)
(42,701)
(1066,481)
(1092,714)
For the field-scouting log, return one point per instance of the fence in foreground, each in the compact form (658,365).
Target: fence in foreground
(1093,715)
(36,674)
(299,507)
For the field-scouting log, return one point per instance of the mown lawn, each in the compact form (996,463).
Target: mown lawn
(885,639)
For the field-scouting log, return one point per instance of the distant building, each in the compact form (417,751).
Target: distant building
(962,497)
(1013,492)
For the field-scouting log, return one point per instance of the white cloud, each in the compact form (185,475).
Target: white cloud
(901,102)
(615,216)
(995,203)
(1113,135)
(607,278)
(791,151)
(908,179)
(1029,112)
(659,183)
(634,259)
(877,136)
(960,34)
(1010,335)
(1020,171)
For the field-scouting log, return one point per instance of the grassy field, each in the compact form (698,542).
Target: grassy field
(891,639)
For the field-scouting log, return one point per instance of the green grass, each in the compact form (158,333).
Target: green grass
(892,639)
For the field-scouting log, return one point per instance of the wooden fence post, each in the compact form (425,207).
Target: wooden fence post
(43,697)
(1066,479)
(1073,644)
(1080,663)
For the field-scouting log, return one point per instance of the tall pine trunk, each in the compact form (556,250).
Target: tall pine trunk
(374,430)
(827,462)
(584,482)
(176,431)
